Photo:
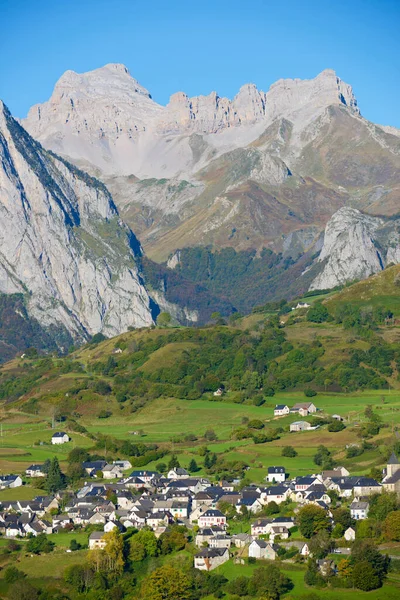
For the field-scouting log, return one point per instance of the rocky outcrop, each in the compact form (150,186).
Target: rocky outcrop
(106,119)
(62,243)
(355,246)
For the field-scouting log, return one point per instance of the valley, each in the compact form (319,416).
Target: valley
(149,397)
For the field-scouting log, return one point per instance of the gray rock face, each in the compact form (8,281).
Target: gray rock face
(356,246)
(62,243)
(106,119)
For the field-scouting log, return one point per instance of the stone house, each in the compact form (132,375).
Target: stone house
(210,558)
(263,550)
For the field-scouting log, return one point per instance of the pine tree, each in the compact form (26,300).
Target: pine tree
(173,463)
(213,459)
(193,468)
(55,479)
(207,461)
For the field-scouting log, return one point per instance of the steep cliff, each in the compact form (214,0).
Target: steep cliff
(355,246)
(62,243)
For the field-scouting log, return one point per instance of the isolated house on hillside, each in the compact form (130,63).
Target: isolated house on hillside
(304,408)
(60,437)
(281,410)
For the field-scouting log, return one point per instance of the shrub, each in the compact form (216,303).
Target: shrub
(104,414)
(336,426)
(309,393)
(289,452)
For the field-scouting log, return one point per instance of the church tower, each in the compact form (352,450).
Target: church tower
(393,465)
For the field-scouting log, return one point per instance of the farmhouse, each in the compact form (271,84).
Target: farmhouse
(60,437)
(281,410)
(276,474)
(304,408)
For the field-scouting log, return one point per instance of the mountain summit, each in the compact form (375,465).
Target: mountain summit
(263,170)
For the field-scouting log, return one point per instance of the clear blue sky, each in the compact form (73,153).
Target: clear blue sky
(201,46)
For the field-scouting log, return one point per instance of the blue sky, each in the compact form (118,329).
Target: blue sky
(202,46)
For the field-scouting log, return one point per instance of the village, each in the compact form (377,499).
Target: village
(148,499)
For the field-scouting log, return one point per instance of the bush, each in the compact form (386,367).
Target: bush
(289,452)
(336,426)
(104,414)
(12,574)
(309,393)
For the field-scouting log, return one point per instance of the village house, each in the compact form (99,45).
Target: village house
(35,471)
(212,517)
(60,437)
(210,558)
(123,464)
(276,474)
(334,473)
(203,536)
(261,527)
(251,502)
(112,472)
(145,476)
(275,493)
(263,550)
(93,467)
(241,540)
(219,392)
(350,534)
(359,510)
(281,410)
(220,541)
(10,481)
(178,473)
(303,483)
(278,531)
(97,541)
(366,486)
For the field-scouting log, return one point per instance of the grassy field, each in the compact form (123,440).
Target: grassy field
(389,591)
(166,418)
